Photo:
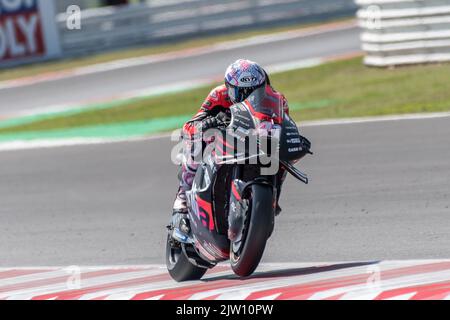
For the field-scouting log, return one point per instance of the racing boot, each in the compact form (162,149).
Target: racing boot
(180,203)
(180,221)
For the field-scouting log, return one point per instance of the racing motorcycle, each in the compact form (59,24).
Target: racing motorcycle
(232,202)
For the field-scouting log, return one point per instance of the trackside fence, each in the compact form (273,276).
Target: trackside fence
(154,21)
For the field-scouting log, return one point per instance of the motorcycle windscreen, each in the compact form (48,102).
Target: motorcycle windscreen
(266,105)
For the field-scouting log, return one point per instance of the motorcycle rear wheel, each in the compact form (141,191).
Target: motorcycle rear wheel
(256,231)
(179,266)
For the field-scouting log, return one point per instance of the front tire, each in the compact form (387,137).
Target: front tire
(257,229)
(178,265)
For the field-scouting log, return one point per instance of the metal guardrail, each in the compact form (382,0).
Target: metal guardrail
(397,32)
(154,21)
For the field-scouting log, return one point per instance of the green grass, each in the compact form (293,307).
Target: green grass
(334,90)
(54,66)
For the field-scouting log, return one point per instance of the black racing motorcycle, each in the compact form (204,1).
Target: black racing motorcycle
(232,203)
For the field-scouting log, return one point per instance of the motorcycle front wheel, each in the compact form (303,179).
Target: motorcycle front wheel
(245,256)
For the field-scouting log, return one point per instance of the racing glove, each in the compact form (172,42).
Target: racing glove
(211,122)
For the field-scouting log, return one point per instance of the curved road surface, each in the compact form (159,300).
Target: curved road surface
(203,66)
(378,191)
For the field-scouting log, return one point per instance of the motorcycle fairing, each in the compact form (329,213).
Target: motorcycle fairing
(241,129)
(210,240)
(290,141)
(209,243)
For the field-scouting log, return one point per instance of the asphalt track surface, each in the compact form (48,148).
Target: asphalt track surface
(378,191)
(204,66)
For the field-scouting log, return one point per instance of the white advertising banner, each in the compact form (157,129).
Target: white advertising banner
(28,31)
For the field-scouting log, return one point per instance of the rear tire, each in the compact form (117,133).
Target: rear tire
(258,229)
(179,266)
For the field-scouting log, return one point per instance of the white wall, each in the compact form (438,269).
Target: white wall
(397,32)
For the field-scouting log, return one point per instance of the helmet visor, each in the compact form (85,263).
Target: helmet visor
(239,94)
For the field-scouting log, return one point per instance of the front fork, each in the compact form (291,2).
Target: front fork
(239,204)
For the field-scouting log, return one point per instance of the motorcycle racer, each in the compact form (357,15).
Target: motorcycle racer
(241,78)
